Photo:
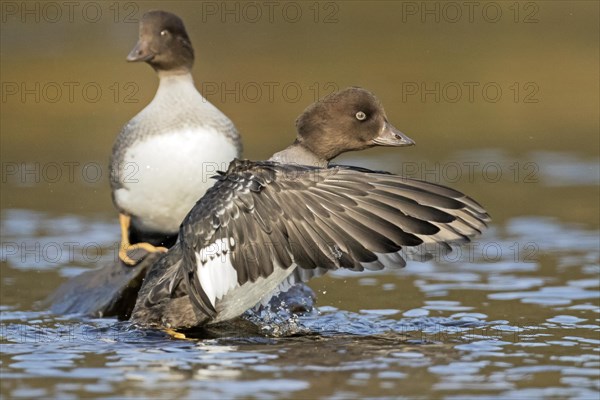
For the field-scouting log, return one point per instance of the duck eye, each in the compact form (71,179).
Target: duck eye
(361,116)
(164,32)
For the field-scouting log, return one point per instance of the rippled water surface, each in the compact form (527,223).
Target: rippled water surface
(516,314)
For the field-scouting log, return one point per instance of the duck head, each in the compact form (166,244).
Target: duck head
(163,43)
(348,120)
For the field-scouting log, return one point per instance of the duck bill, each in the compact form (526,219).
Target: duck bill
(390,136)
(141,52)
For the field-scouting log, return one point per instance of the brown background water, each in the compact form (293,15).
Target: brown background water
(529,152)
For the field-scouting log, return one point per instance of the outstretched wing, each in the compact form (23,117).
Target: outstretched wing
(260,219)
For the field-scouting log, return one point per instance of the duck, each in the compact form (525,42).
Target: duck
(267,225)
(163,157)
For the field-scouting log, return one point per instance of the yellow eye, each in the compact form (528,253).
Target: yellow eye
(361,116)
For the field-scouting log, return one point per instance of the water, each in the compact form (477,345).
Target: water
(516,314)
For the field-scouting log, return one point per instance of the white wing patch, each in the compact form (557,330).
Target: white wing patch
(244,297)
(215,271)
(219,280)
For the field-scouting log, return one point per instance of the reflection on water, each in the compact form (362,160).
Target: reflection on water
(514,314)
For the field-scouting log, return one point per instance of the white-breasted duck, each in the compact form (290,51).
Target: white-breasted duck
(266,225)
(162,156)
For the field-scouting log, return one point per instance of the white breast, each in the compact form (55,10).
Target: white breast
(164,175)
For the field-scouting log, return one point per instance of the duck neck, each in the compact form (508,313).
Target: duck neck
(297,153)
(177,89)
(170,78)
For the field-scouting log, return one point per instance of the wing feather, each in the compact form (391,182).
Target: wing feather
(275,216)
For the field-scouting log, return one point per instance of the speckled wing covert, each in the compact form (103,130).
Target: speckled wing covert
(262,218)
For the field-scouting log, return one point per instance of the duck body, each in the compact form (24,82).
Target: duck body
(267,225)
(164,157)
